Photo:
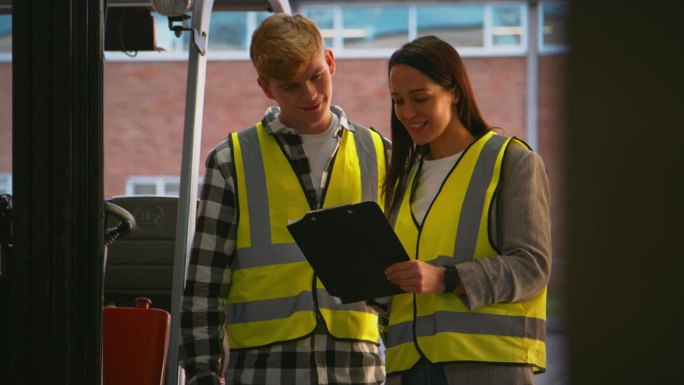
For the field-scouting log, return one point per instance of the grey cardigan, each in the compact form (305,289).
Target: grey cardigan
(521,229)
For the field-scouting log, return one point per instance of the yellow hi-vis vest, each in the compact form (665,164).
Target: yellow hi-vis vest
(274,295)
(456,229)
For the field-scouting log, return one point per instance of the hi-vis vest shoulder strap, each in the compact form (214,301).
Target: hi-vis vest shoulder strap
(274,295)
(456,229)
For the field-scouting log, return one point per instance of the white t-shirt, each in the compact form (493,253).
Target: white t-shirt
(319,149)
(430,180)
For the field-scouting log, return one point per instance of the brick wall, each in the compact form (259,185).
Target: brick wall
(145,107)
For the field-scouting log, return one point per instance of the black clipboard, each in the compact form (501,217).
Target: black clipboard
(349,247)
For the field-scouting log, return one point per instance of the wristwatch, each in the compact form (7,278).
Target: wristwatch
(451,279)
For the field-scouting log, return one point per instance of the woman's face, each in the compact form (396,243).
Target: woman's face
(424,108)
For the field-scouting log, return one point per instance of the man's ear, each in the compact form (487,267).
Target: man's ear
(330,60)
(265,87)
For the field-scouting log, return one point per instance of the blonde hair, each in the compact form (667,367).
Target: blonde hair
(284,45)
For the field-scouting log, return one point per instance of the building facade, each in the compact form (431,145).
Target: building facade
(144,92)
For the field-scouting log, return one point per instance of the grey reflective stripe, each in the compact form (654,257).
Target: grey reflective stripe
(400,334)
(368,162)
(266,254)
(468,323)
(473,203)
(255,181)
(262,252)
(327,301)
(256,188)
(268,309)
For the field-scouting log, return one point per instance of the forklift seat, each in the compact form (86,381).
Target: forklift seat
(141,263)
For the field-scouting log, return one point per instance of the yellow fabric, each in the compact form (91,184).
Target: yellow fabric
(287,202)
(437,237)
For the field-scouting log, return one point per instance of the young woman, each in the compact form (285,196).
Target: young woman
(471,207)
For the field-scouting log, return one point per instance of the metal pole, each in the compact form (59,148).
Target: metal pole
(192,138)
(532,100)
(280,6)
(187,206)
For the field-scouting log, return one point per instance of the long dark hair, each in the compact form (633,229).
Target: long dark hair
(441,62)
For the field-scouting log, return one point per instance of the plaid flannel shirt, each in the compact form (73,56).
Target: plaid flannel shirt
(315,359)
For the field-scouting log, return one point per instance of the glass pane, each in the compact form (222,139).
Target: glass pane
(172,188)
(260,16)
(324,19)
(554,16)
(375,26)
(5,183)
(507,25)
(165,38)
(228,31)
(145,189)
(5,33)
(460,25)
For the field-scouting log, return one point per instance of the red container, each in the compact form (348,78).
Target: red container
(134,344)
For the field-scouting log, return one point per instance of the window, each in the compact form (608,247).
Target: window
(5,37)
(5,183)
(374,26)
(553,34)
(166,40)
(231,31)
(325,18)
(507,25)
(462,26)
(229,35)
(377,30)
(155,185)
(367,28)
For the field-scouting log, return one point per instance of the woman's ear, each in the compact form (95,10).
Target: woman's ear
(455,98)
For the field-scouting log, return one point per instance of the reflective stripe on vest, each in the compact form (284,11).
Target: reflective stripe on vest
(271,297)
(456,229)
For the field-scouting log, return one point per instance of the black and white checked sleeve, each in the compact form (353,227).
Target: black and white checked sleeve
(208,274)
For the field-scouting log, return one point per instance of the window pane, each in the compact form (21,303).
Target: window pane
(144,189)
(172,188)
(5,33)
(507,25)
(228,31)
(165,38)
(5,183)
(325,20)
(460,25)
(375,26)
(554,23)
(260,16)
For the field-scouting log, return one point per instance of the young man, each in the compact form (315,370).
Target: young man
(246,273)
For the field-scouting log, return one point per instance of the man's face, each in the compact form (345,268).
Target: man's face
(305,100)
